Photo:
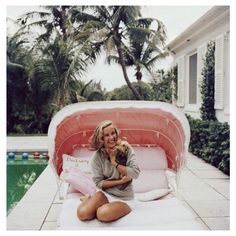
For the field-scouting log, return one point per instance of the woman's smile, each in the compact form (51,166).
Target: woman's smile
(109,137)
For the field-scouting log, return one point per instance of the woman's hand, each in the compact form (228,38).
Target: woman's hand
(113,159)
(112,156)
(125,179)
(122,169)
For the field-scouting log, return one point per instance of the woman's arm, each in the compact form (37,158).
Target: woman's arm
(122,169)
(111,183)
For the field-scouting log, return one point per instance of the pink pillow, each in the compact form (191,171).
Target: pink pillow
(80,181)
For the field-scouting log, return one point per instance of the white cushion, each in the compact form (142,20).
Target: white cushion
(168,214)
(153,195)
(149,180)
(81,163)
(147,157)
(151,158)
(171,180)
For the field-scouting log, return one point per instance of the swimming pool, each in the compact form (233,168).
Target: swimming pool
(21,174)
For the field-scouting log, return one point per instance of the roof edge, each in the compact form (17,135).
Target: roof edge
(212,16)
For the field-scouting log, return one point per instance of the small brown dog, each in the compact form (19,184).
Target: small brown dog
(121,152)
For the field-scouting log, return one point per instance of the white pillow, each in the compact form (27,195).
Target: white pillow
(153,195)
(172,180)
(151,158)
(149,180)
(69,162)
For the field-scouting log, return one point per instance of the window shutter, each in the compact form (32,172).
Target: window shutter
(201,53)
(227,73)
(219,72)
(181,90)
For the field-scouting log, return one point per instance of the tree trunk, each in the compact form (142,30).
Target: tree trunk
(60,99)
(119,50)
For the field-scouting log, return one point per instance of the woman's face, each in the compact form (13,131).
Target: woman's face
(109,137)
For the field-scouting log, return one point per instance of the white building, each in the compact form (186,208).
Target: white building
(189,50)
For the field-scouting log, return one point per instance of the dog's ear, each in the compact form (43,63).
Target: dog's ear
(118,141)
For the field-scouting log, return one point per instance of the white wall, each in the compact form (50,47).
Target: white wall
(192,46)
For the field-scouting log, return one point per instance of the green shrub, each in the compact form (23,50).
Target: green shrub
(208,84)
(210,141)
(164,85)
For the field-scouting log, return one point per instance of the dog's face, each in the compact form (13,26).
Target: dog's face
(122,148)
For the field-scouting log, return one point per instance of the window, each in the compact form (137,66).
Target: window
(193,79)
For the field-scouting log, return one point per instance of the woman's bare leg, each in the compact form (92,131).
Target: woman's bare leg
(88,207)
(112,211)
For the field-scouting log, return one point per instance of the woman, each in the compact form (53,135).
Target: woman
(109,176)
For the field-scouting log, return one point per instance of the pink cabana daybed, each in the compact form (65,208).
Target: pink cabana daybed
(159,133)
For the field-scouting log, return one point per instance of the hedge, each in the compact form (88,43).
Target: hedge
(210,141)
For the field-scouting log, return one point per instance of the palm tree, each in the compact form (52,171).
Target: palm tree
(62,53)
(58,67)
(120,28)
(146,45)
(49,20)
(108,25)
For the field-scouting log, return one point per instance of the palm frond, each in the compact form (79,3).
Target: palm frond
(32,15)
(43,70)
(93,51)
(109,46)
(81,17)
(99,35)
(28,27)
(155,27)
(84,88)
(125,14)
(143,22)
(151,63)
(77,64)
(129,56)
(112,58)
(91,30)
(102,13)
(138,34)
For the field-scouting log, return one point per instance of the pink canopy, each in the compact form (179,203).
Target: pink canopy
(142,123)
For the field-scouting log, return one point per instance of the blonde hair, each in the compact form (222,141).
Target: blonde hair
(96,140)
